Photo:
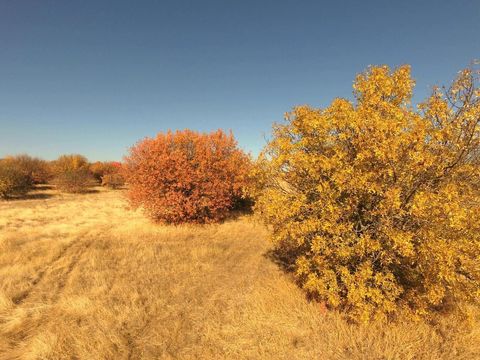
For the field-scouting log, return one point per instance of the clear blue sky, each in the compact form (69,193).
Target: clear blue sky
(93,77)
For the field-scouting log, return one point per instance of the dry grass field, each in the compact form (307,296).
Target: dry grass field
(83,277)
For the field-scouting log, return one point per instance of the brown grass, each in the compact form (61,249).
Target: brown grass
(82,277)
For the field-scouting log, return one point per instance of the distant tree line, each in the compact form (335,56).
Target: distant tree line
(70,173)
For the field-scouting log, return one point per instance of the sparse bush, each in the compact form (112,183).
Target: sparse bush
(186,176)
(70,162)
(99,169)
(36,169)
(73,181)
(376,205)
(109,173)
(72,173)
(113,181)
(13,179)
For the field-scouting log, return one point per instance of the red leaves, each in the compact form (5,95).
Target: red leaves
(186,176)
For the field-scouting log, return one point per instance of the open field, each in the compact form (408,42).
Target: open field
(83,277)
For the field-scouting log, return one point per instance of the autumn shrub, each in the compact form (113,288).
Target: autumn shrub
(13,179)
(101,168)
(186,176)
(375,203)
(113,181)
(36,169)
(72,173)
(97,170)
(69,163)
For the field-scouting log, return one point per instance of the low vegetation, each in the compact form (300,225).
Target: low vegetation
(100,169)
(13,180)
(71,173)
(113,181)
(35,169)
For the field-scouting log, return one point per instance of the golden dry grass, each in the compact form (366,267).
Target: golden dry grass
(83,277)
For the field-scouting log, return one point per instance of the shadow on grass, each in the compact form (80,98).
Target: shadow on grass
(88,191)
(80,192)
(236,214)
(242,207)
(38,194)
(43,187)
(34,196)
(29,196)
(285,262)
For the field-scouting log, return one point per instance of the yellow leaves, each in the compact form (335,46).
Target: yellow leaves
(369,292)
(367,246)
(402,242)
(302,266)
(374,201)
(404,84)
(435,294)
(420,204)
(379,86)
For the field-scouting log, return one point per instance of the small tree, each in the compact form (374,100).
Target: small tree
(186,176)
(375,204)
(70,163)
(113,181)
(72,173)
(13,179)
(99,169)
(36,169)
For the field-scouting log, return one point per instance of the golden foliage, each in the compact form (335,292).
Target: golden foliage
(72,173)
(36,169)
(113,181)
(376,203)
(73,162)
(13,179)
(19,173)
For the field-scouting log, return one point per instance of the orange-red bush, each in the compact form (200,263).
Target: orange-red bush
(186,176)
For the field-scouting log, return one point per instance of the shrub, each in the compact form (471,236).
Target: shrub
(73,181)
(113,181)
(13,179)
(37,170)
(99,169)
(72,173)
(69,162)
(186,176)
(108,173)
(375,204)
(41,171)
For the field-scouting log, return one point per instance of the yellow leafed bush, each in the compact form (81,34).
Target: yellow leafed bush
(13,179)
(376,203)
(72,174)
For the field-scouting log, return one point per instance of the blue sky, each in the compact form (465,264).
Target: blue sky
(93,77)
